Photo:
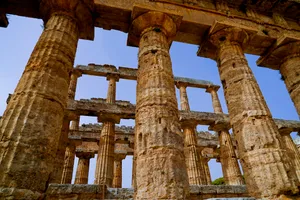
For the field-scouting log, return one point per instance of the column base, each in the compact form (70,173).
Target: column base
(18,194)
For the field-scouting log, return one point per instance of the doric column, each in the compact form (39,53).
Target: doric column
(160,162)
(117,182)
(105,162)
(266,166)
(206,170)
(73,83)
(230,167)
(195,168)
(68,166)
(82,173)
(31,125)
(285,57)
(292,150)
(133,179)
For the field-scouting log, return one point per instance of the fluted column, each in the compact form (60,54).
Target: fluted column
(195,167)
(133,181)
(117,182)
(69,157)
(206,170)
(105,161)
(82,173)
(230,167)
(292,151)
(160,164)
(31,124)
(266,166)
(285,57)
(73,83)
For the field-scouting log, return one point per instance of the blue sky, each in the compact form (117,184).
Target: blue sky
(109,47)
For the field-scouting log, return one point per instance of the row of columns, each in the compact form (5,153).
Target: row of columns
(31,125)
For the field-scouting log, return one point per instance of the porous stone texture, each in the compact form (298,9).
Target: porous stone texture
(230,167)
(73,83)
(82,173)
(217,191)
(31,124)
(160,163)
(292,152)
(75,192)
(120,193)
(68,164)
(267,168)
(193,160)
(105,160)
(117,181)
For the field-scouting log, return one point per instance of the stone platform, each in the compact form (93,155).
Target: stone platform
(96,192)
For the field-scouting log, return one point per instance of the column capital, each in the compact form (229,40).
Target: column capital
(143,19)
(76,72)
(120,156)
(85,155)
(212,88)
(180,84)
(114,76)
(222,32)
(109,118)
(81,11)
(284,48)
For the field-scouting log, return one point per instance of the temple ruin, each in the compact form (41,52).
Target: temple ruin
(41,132)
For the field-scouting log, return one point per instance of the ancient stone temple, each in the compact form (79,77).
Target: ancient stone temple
(40,131)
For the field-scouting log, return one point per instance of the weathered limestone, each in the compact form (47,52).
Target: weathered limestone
(285,56)
(160,163)
(82,173)
(206,170)
(32,122)
(117,181)
(267,169)
(73,83)
(292,151)
(67,173)
(105,160)
(193,160)
(230,167)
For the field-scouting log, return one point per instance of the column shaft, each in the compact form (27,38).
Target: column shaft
(230,167)
(73,84)
(82,173)
(68,164)
(207,171)
(290,70)
(31,124)
(266,167)
(160,162)
(293,153)
(105,161)
(117,182)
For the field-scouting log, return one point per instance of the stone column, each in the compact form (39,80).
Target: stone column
(266,166)
(230,167)
(73,83)
(31,125)
(68,166)
(105,162)
(292,150)
(82,173)
(195,168)
(206,170)
(133,181)
(285,57)
(160,163)
(117,181)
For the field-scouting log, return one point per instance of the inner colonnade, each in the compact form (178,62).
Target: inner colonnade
(37,145)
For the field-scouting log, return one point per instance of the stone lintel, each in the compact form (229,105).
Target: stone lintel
(130,74)
(283,47)
(209,50)
(141,20)
(125,110)
(3,20)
